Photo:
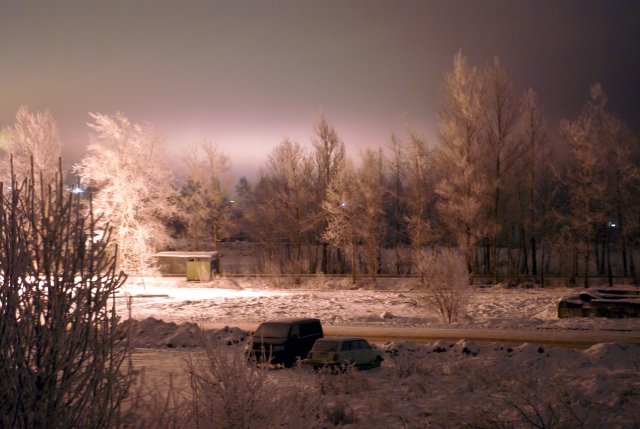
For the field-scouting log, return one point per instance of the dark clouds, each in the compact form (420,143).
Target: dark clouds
(247,74)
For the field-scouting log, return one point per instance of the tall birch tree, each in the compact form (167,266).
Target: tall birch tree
(34,138)
(371,188)
(536,184)
(126,167)
(502,146)
(343,215)
(329,159)
(209,186)
(290,169)
(419,194)
(396,165)
(585,175)
(463,188)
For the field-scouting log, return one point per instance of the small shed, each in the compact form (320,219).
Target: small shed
(200,266)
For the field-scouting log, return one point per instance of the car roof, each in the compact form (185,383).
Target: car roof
(341,339)
(293,320)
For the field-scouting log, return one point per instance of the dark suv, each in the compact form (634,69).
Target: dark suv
(282,341)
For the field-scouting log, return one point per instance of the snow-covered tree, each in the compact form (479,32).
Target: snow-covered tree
(419,193)
(280,212)
(34,138)
(502,146)
(621,180)
(343,215)
(585,177)
(463,189)
(372,188)
(206,194)
(291,169)
(126,167)
(536,186)
(623,194)
(262,216)
(396,199)
(329,157)
(353,206)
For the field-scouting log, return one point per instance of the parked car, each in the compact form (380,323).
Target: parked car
(337,352)
(283,341)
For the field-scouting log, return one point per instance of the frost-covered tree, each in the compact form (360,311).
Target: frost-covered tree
(419,193)
(329,157)
(206,194)
(502,146)
(396,199)
(463,189)
(343,215)
(585,178)
(371,188)
(280,213)
(262,216)
(353,206)
(126,167)
(290,167)
(34,138)
(620,175)
(63,361)
(536,186)
(622,198)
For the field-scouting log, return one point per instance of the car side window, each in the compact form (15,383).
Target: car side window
(346,346)
(364,345)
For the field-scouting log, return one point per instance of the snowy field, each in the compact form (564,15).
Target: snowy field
(442,384)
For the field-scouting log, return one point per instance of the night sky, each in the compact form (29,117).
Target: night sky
(247,74)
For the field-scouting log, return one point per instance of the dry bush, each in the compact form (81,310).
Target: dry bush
(405,365)
(444,281)
(158,406)
(523,398)
(226,391)
(63,363)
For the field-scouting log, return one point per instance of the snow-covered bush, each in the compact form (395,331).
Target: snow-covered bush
(444,281)
(63,363)
(227,391)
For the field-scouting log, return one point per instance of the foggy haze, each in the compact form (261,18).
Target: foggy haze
(246,75)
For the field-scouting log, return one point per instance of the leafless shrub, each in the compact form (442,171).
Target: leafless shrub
(444,281)
(157,406)
(339,412)
(530,401)
(343,380)
(227,391)
(63,363)
(404,365)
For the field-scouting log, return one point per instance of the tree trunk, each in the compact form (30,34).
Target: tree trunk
(586,262)
(608,249)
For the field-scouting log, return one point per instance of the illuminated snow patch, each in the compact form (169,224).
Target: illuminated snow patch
(202,293)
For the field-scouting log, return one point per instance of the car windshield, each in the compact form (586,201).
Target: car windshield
(273,330)
(326,346)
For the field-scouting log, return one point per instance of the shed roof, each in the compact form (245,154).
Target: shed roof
(183,254)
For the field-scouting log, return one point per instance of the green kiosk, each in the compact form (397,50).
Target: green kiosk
(201,266)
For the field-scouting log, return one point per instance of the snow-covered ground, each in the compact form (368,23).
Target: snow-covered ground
(393,303)
(442,384)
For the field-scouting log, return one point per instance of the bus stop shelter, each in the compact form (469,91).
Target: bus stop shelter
(200,266)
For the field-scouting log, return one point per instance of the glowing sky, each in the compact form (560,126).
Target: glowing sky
(246,74)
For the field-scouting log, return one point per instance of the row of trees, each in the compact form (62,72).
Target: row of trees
(516,197)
